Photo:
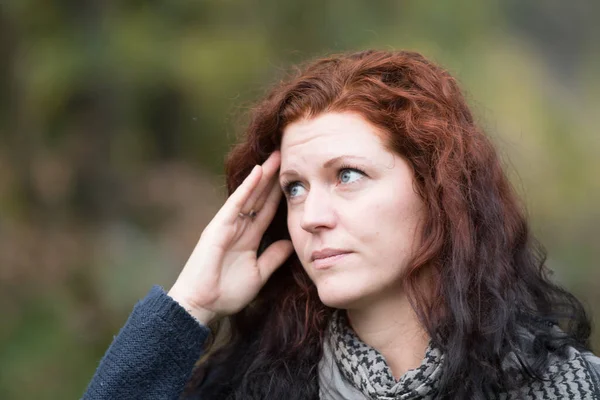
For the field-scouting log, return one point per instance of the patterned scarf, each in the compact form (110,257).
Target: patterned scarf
(352,370)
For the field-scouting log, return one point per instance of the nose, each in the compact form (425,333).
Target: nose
(318,211)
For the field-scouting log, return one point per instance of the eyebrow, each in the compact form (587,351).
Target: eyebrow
(327,164)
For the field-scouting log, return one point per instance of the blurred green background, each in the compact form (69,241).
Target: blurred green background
(115,117)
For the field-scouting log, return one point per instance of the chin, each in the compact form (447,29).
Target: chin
(338,297)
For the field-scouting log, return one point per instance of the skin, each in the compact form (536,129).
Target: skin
(223,273)
(374,212)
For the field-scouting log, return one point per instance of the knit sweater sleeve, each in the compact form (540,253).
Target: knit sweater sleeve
(153,355)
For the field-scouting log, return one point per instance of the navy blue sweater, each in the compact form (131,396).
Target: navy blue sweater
(153,355)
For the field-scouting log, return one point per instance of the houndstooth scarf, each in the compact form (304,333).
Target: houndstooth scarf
(352,370)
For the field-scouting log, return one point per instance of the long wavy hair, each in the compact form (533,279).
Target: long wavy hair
(488,276)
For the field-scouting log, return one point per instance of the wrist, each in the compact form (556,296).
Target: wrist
(202,315)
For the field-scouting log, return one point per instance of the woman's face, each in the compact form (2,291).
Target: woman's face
(348,193)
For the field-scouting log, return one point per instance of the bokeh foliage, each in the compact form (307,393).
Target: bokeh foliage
(115,118)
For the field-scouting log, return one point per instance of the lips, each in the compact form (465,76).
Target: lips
(328,252)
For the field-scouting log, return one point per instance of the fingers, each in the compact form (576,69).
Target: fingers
(273,257)
(252,190)
(240,196)
(269,169)
(268,208)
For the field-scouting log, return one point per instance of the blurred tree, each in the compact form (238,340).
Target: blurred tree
(115,118)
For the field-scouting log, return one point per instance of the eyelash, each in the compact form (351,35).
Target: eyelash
(287,184)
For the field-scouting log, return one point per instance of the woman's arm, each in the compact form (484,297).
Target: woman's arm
(153,355)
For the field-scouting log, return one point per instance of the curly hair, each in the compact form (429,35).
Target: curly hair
(487,278)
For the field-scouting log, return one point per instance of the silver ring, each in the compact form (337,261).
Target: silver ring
(251,214)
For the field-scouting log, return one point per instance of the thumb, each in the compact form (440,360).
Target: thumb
(273,257)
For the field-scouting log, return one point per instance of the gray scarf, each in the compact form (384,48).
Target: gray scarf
(352,370)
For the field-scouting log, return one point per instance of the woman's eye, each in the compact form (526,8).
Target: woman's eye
(346,175)
(291,189)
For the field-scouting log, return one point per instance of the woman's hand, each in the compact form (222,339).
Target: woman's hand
(223,273)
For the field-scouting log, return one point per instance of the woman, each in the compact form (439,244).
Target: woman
(398,264)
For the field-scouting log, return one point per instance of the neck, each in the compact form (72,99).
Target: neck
(391,326)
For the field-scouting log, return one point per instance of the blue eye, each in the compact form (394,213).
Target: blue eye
(347,172)
(344,176)
(289,188)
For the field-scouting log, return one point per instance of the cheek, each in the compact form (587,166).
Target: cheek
(389,228)
(295,232)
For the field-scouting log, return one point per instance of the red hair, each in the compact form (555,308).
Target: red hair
(485,271)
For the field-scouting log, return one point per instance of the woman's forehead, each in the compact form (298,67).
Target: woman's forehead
(327,136)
